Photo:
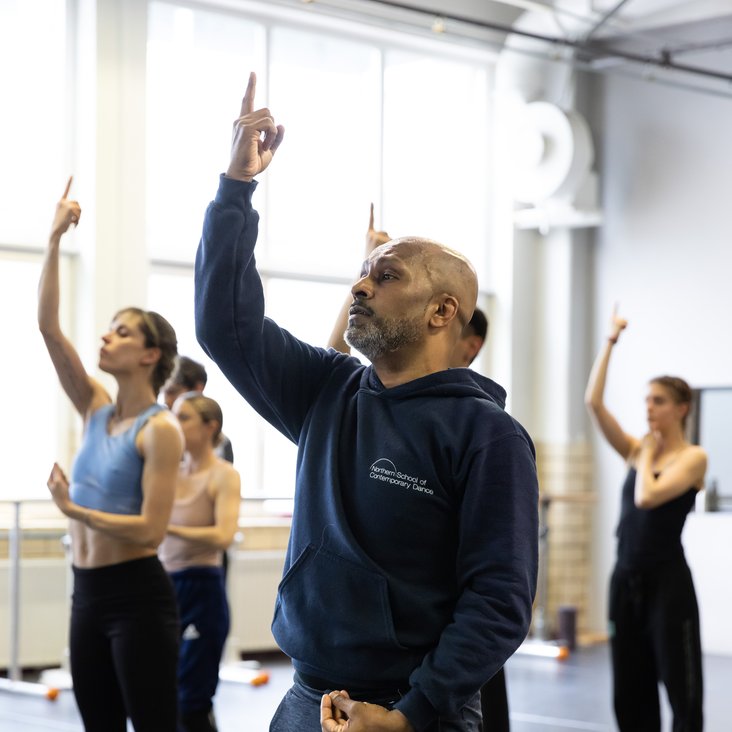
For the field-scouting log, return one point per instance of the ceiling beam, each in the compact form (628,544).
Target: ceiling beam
(609,14)
(586,51)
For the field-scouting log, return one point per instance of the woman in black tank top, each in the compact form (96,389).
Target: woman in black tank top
(653,613)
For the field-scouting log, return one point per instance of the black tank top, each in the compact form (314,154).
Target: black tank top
(649,537)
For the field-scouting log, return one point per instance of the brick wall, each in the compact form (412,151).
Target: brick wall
(565,472)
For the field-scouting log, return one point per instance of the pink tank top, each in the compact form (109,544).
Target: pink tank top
(196,509)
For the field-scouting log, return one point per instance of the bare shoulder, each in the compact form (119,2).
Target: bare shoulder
(164,418)
(693,461)
(162,429)
(226,477)
(695,455)
(225,471)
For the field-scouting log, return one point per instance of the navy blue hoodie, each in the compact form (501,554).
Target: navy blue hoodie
(413,552)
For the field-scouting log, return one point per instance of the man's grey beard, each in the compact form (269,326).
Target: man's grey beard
(378,336)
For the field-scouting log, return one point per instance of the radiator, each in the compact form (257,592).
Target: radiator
(44,612)
(252,588)
(45,588)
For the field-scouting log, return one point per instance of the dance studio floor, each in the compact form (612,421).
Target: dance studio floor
(545,695)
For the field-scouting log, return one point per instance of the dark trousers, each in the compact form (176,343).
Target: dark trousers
(494,704)
(204,623)
(299,711)
(124,647)
(654,636)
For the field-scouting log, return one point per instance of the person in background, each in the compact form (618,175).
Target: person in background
(493,694)
(653,614)
(124,623)
(374,239)
(473,337)
(202,526)
(411,566)
(189,375)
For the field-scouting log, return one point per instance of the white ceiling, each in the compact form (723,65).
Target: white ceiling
(664,12)
(690,40)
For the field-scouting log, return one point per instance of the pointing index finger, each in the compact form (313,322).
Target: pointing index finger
(247,104)
(68,187)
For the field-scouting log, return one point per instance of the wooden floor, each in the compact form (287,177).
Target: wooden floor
(545,695)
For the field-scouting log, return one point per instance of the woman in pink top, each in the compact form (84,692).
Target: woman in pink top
(202,526)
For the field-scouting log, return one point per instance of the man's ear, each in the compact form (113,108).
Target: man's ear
(445,311)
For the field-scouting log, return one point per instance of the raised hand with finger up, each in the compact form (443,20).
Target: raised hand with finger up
(255,138)
(68,213)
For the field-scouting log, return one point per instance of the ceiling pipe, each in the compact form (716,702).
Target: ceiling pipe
(604,20)
(717,45)
(587,52)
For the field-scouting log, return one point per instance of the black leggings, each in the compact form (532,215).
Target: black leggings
(654,636)
(124,647)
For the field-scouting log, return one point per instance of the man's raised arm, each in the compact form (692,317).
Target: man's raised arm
(226,282)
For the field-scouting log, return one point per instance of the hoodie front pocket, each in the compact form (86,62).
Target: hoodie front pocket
(332,612)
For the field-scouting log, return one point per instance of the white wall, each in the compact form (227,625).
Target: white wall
(708,541)
(664,254)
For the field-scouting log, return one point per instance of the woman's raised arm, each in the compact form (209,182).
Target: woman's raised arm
(621,442)
(71,372)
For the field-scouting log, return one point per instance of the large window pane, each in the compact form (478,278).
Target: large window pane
(307,310)
(326,91)
(198,65)
(33,125)
(435,159)
(171,294)
(37,418)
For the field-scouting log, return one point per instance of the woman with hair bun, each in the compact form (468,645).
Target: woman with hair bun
(653,613)
(202,526)
(124,623)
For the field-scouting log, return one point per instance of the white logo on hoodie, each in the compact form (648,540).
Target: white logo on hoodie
(385,471)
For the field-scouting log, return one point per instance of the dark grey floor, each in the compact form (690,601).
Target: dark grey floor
(545,695)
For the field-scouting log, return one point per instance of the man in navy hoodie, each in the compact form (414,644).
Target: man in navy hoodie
(411,565)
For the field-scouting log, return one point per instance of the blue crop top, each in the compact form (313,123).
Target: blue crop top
(107,472)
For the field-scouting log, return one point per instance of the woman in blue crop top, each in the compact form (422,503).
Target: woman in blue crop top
(653,613)
(124,622)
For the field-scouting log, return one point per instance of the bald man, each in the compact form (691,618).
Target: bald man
(493,694)
(471,339)
(411,565)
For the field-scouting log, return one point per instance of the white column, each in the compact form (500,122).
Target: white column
(110,92)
